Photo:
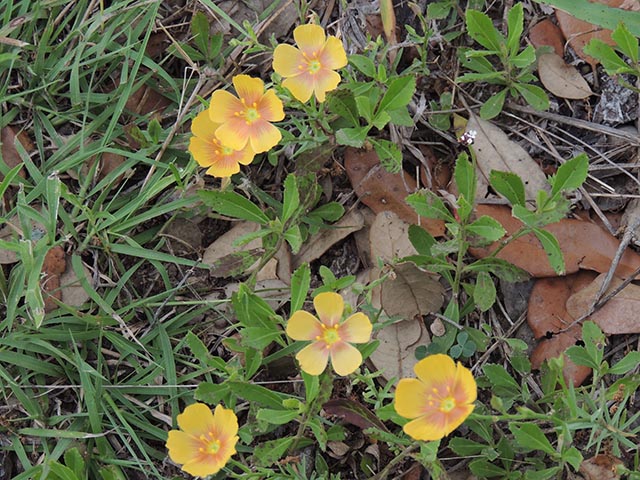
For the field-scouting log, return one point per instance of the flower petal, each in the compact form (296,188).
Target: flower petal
(235,133)
(202,126)
(436,371)
(196,419)
(457,416)
(223,107)
(427,428)
(411,398)
(345,358)
(325,81)
(263,136)
(313,358)
(224,168)
(333,55)
(465,390)
(248,88)
(301,86)
(356,329)
(287,60)
(303,326)
(309,38)
(182,447)
(204,466)
(329,307)
(204,152)
(225,424)
(270,107)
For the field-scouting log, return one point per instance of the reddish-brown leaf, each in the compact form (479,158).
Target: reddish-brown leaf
(584,246)
(354,413)
(54,265)
(383,191)
(547,33)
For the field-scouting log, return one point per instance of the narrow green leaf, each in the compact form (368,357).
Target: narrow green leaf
(524,59)
(200,30)
(300,283)
(257,393)
(484,292)
(534,95)
(552,249)
(509,185)
(630,361)
(481,29)
(493,106)
(398,94)
(627,43)
(543,474)
(427,204)
(276,417)
(488,228)
(500,268)
(291,200)
(352,137)
(389,153)
(465,176)
(515,21)
(570,175)
(421,240)
(530,437)
(610,60)
(293,236)
(233,205)
(363,64)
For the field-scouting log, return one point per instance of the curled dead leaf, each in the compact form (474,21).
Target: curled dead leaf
(547,33)
(562,80)
(601,467)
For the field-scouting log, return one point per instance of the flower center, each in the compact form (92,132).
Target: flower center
(313,66)
(226,151)
(330,335)
(210,444)
(251,115)
(447,404)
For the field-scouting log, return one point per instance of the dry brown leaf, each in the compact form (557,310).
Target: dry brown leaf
(73,293)
(555,347)
(54,265)
(389,237)
(384,191)
(547,309)
(411,292)
(107,163)
(494,151)
(10,155)
(319,243)
(619,315)
(601,467)
(584,246)
(579,33)
(562,80)
(547,33)
(395,356)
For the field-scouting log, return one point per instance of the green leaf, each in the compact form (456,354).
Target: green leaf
(352,137)
(530,437)
(493,106)
(552,249)
(627,43)
(488,228)
(233,205)
(515,20)
(630,361)
(542,474)
(485,469)
(398,94)
(291,198)
(465,176)
(484,293)
(330,212)
(573,457)
(501,382)
(311,386)
(610,60)
(534,95)
(598,14)
(421,240)
(524,59)
(300,282)
(60,472)
(439,10)
(389,153)
(401,116)
(427,204)
(365,107)
(269,452)
(480,28)
(293,236)
(465,447)
(489,77)
(73,459)
(570,175)
(594,340)
(580,356)
(257,393)
(509,185)
(363,64)
(276,417)
(200,30)
(343,104)
(381,120)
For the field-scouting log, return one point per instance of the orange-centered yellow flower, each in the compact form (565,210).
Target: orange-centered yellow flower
(208,151)
(310,67)
(439,400)
(246,118)
(330,338)
(206,440)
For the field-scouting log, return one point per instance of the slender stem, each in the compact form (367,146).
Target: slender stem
(399,458)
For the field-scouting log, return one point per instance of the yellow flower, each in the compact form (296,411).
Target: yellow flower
(310,67)
(208,151)
(439,400)
(206,440)
(330,338)
(246,119)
